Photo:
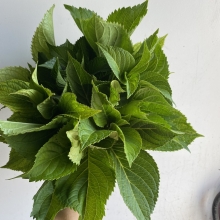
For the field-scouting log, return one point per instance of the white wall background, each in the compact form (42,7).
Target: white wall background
(189,181)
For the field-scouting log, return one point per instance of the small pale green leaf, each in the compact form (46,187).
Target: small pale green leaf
(69,105)
(115,90)
(75,154)
(89,133)
(52,160)
(138,184)
(129,17)
(44,34)
(79,81)
(19,73)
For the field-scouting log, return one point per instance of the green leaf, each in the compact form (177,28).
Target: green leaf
(79,81)
(34,117)
(69,105)
(52,160)
(129,17)
(34,84)
(28,144)
(88,189)
(31,95)
(14,128)
(89,133)
(46,205)
(158,62)
(75,154)
(44,34)
(14,103)
(99,67)
(133,108)
(119,60)
(19,73)
(61,52)
(95,29)
(82,51)
(138,184)
(51,78)
(108,113)
(115,90)
(160,82)
(79,14)
(132,142)
(48,108)
(133,77)
(18,162)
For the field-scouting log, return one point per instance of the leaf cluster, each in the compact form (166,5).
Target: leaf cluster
(85,115)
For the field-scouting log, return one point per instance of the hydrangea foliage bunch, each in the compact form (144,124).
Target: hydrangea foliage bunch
(85,115)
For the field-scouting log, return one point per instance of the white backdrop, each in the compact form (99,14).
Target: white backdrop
(189,181)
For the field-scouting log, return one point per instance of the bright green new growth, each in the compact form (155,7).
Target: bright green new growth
(84,116)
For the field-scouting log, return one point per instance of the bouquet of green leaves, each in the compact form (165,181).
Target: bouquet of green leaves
(85,115)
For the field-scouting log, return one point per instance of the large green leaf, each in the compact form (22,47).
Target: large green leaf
(89,134)
(29,117)
(9,73)
(79,81)
(27,145)
(52,160)
(30,95)
(119,60)
(88,189)
(46,205)
(159,82)
(129,17)
(14,128)
(69,105)
(108,113)
(79,14)
(44,34)
(138,184)
(15,103)
(95,29)
(132,142)
(18,162)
